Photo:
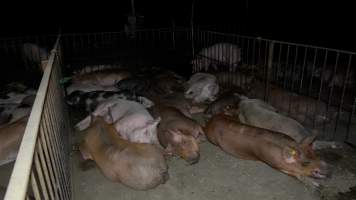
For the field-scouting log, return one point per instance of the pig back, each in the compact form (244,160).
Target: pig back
(142,166)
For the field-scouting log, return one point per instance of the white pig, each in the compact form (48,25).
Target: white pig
(131,120)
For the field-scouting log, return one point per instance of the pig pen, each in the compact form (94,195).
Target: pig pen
(216,175)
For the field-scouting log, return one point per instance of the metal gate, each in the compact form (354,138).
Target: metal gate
(42,166)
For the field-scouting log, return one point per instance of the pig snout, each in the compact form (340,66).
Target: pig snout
(321,171)
(193,159)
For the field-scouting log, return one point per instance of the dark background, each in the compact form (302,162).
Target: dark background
(322,23)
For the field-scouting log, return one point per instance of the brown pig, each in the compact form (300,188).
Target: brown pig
(10,138)
(275,149)
(179,134)
(140,166)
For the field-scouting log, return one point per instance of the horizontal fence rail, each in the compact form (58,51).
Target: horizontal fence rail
(41,169)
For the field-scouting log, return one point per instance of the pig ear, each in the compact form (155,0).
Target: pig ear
(176,135)
(199,133)
(155,122)
(168,151)
(307,141)
(201,136)
(290,155)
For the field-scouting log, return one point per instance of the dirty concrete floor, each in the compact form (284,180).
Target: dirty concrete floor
(218,176)
(221,176)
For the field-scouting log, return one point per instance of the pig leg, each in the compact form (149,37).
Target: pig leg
(310,182)
(85,123)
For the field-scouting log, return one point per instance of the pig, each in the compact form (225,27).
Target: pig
(179,134)
(337,78)
(256,112)
(223,102)
(131,120)
(17,97)
(151,85)
(202,87)
(136,165)
(302,108)
(34,55)
(10,136)
(167,82)
(275,149)
(13,113)
(220,54)
(86,87)
(176,100)
(90,100)
(237,79)
(104,78)
(98,80)
(135,84)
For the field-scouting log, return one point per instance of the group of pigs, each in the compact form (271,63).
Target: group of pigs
(15,106)
(134,122)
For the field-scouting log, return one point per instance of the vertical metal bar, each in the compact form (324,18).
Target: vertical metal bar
(322,74)
(34,186)
(311,78)
(295,76)
(269,69)
(56,142)
(343,93)
(49,137)
(247,52)
(332,88)
(50,155)
(46,170)
(349,121)
(286,68)
(303,68)
(40,177)
(173,35)
(254,52)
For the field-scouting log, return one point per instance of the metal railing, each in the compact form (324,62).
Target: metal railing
(42,166)
(323,79)
(23,56)
(315,85)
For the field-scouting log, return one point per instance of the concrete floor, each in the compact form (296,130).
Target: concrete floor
(221,176)
(216,176)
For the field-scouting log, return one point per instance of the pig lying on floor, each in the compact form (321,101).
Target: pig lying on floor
(90,100)
(130,118)
(179,134)
(257,113)
(136,165)
(202,87)
(275,149)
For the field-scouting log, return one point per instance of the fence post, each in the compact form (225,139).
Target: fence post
(269,71)
(173,34)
